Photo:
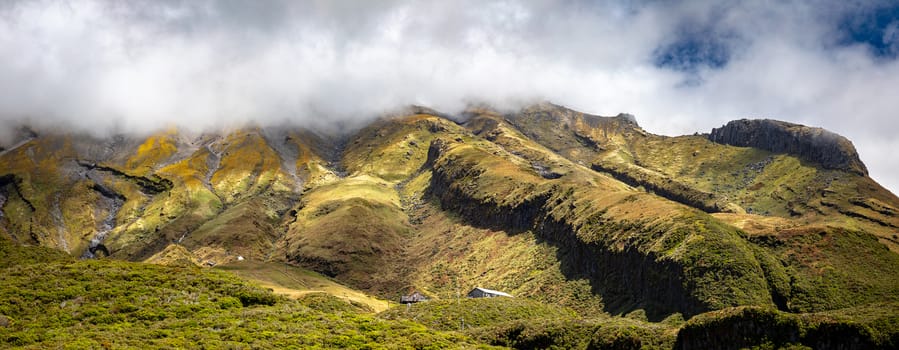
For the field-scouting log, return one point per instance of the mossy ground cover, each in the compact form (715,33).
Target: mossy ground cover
(393,149)
(32,210)
(869,327)
(296,282)
(353,229)
(154,150)
(834,268)
(113,304)
(462,313)
(644,251)
(570,333)
(452,256)
(545,226)
(527,324)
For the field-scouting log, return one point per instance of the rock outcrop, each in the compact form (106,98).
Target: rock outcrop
(830,150)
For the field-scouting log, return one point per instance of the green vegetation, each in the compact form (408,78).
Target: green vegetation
(468,256)
(597,226)
(48,300)
(827,250)
(352,230)
(603,333)
(300,283)
(13,254)
(153,151)
(868,327)
(105,303)
(473,313)
(834,268)
(246,228)
(655,253)
(526,324)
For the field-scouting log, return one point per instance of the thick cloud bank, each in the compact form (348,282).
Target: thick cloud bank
(679,68)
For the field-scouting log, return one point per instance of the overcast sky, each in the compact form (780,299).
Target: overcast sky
(679,68)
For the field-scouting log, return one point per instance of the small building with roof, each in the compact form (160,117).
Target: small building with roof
(414,297)
(479,292)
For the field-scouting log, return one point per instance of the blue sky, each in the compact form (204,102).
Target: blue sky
(711,42)
(679,67)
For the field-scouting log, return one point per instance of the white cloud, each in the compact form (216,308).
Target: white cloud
(140,65)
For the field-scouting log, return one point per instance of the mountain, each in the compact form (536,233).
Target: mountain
(757,220)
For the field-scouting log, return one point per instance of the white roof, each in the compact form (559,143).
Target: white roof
(496,292)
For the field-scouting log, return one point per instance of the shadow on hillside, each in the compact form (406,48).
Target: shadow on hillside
(626,279)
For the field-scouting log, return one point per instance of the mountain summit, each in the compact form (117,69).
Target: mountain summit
(828,149)
(591,213)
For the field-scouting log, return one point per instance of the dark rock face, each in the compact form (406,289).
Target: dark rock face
(150,185)
(830,150)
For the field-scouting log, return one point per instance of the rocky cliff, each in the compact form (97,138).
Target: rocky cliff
(830,150)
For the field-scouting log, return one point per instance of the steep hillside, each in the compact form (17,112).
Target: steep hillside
(804,222)
(50,303)
(590,213)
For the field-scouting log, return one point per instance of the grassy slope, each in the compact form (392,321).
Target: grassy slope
(868,327)
(91,304)
(452,256)
(229,198)
(296,282)
(539,223)
(49,300)
(473,313)
(748,179)
(832,259)
(617,221)
(441,254)
(44,189)
(356,228)
(353,230)
(799,204)
(448,253)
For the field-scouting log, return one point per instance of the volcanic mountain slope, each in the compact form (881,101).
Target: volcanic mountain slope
(590,212)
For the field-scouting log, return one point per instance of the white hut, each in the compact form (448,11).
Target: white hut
(479,292)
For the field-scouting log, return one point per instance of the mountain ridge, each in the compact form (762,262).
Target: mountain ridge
(547,203)
(815,144)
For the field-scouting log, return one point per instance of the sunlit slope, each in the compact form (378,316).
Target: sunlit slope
(143,194)
(50,301)
(217,179)
(637,250)
(354,226)
(299,283)
(53,197)
(829,229)
(589,212)
(723,178)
